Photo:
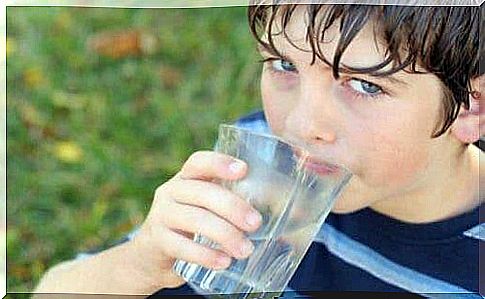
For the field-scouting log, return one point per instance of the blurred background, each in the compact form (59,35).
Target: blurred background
(104,105)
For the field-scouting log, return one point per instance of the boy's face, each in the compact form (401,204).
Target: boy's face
(379,128)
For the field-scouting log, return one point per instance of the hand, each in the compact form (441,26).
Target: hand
(191,202)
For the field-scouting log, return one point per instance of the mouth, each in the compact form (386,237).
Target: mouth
(318,166)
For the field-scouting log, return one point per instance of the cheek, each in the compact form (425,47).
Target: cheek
(277,103)
(394,145)
(388,160)
(401,163)
(385,166)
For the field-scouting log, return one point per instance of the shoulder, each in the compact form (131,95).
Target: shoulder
(255,121)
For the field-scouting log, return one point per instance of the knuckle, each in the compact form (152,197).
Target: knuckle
(195,156)
(161,203)
(173,187)
(161,190)
(194,163)
(158,191)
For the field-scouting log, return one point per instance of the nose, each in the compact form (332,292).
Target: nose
(314,118)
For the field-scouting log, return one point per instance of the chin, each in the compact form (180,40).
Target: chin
(345,205)
(354,197)
(345,210)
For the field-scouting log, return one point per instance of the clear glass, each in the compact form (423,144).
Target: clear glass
(294,201)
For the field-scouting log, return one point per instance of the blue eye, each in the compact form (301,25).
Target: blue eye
(283,66)
(364,87)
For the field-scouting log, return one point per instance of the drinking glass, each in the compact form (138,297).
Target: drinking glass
(294,195)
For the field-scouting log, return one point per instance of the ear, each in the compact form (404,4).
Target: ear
(470,124)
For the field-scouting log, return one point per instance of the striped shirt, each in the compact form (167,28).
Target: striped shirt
(366,251)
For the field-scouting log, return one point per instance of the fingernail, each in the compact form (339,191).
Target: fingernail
(246,248)
(236,166)
(253,219)
(223,261)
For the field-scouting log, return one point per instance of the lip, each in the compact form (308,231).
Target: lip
(318,166)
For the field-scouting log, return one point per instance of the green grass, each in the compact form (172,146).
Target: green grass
(128,127)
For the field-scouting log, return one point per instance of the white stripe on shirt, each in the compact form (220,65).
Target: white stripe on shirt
(363,257)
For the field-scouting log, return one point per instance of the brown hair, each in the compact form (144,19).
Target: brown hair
(442,40)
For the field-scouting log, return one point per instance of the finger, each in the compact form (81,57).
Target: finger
(219,200)
(197,220)
(206,165)
(187,250)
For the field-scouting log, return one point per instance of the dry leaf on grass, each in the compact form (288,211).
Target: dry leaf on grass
(119,44)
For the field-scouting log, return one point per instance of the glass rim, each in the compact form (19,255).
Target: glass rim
(278,138)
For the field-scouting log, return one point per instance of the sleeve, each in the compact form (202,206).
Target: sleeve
(183,290)
(255,121)
(187,290)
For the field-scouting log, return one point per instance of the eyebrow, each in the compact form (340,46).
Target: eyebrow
(271,51)
(389,78)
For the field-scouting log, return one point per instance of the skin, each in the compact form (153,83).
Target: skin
(378,129)
(398,170)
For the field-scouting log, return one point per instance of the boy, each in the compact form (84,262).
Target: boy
(392,93)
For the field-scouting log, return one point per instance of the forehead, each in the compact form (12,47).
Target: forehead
(366,49)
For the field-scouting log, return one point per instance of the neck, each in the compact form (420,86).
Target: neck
(448,192)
